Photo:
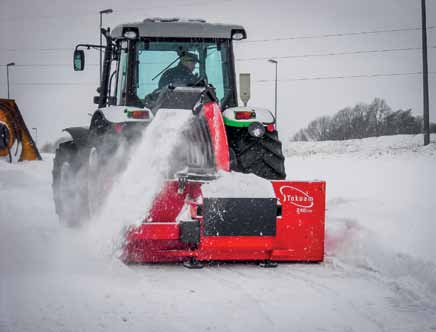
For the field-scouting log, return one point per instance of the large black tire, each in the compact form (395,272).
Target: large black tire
(69,189)
(103,161)
(99,169)
(260,156)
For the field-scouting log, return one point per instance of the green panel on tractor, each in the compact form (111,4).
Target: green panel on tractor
(235,123)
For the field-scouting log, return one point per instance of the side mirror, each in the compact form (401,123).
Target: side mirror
(244,87)
(79,60)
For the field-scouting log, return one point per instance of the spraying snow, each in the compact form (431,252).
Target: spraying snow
(134,190)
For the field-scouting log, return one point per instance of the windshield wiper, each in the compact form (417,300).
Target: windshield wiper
(158,74)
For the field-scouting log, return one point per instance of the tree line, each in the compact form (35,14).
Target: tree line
(363,120)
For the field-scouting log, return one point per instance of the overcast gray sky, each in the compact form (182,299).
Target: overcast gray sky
(39,36)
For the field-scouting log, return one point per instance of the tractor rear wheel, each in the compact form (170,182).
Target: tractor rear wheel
(69,189)
(260,156)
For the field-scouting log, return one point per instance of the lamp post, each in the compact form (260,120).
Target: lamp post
(275,92)
(426,116)
(105,11)
(7,73)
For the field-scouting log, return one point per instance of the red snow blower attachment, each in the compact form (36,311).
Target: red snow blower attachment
(204,216)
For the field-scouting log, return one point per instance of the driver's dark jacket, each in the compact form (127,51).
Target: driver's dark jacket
(178,76)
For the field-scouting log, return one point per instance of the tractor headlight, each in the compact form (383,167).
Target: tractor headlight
(256,129)
(238,34)
(130,34)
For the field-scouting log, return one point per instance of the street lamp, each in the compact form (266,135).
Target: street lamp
(275,94)
(106,11)
(7,73)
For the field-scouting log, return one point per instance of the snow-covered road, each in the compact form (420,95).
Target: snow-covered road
(379,273)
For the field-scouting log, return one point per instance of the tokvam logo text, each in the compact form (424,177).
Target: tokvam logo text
(296,197)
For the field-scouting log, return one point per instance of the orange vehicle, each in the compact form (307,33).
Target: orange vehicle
(14,133)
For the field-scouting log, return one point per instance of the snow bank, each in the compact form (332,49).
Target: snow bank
(380,204)
(363,148)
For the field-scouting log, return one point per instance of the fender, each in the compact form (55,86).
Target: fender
(262,115)
(79,135)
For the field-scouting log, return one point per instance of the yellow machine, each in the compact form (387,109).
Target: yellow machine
(13,131)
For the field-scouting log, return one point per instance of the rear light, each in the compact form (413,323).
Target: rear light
(271,127)
(130,34)
(143,115)
(245,115)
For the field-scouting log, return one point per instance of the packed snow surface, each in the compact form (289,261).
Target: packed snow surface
(378,273)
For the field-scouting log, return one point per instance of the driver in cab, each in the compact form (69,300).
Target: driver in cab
(182,74)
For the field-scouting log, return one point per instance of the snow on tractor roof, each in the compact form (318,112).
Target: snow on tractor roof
(179,28)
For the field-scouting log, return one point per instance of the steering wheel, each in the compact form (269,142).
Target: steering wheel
(201,81)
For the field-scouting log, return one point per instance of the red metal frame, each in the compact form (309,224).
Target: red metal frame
(218,134)
(299,230)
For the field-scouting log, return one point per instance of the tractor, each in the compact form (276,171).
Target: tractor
(139,79)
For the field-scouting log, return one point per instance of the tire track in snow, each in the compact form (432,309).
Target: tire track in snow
(329,292)
(238,288)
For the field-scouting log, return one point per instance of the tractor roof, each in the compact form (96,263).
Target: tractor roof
(178,28)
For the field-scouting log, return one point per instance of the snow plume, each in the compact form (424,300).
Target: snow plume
(134,190)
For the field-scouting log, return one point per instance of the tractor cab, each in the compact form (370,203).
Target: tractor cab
(138,55)
(145,70)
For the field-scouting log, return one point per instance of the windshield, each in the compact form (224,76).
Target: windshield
(182,63)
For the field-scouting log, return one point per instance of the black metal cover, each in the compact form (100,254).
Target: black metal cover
(240,216)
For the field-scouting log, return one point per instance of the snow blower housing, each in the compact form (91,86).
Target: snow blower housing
(161,64)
